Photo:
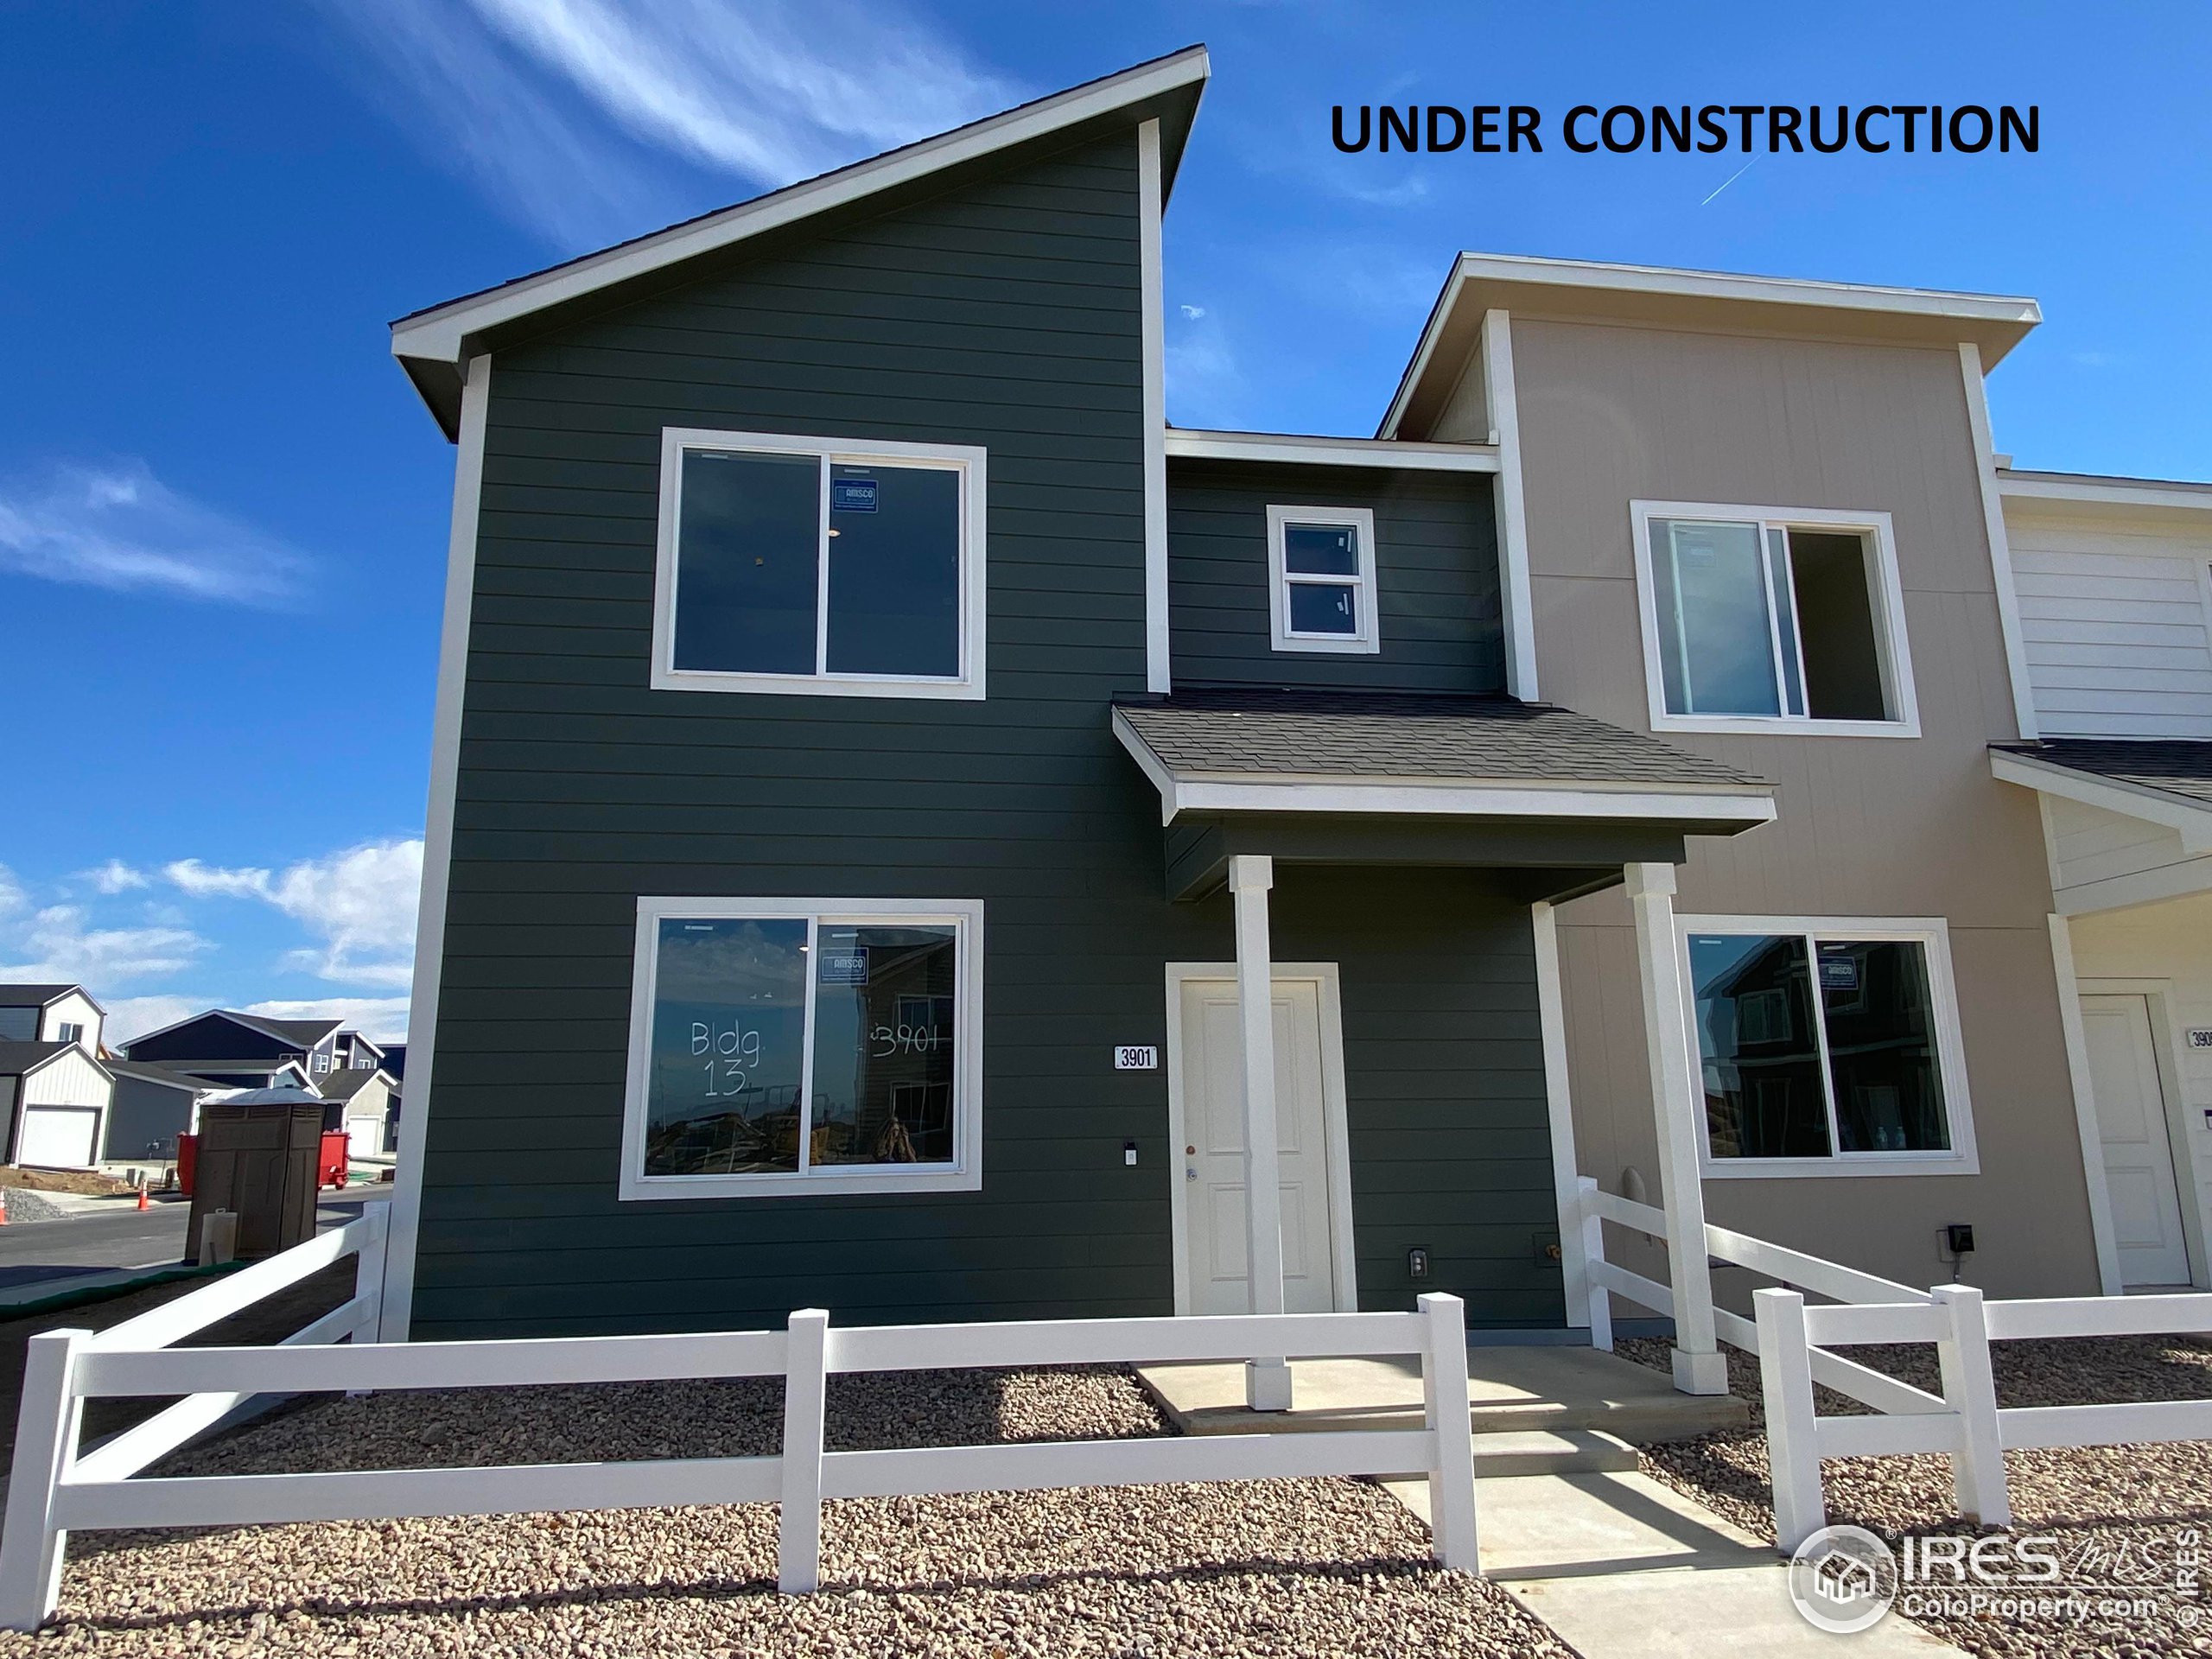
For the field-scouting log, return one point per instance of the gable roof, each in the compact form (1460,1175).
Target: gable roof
(2164,780)
(40,996)
(1660,295)
(299,1034)
(144,1071)
(434,345)
(348,1081)
(21,1060)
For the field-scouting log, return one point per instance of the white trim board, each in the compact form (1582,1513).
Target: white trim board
(2000,547)
(441,334)
(1935,934)
(1559,1107)
(1185,443)
(1344,1267)
(1515,595)
(2104,1240)
(963,1174)
(1892,645)
(2192,823)
(1366,638)
(1159,670)
(406,1211)
(2100,490)
(973,465)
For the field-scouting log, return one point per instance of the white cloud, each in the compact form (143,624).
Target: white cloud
(380,1018)
(117,526)
(359,902)
(1206,386)
(1193,312)
(115,876)
(558,105)
(59,944)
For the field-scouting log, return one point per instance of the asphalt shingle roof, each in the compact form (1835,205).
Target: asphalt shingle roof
(150,1073)
(2175,766)
(1395,735)
(16,1059)
(346,1082)
(30,996)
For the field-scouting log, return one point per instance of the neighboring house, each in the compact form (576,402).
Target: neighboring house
(1408,778)
(367,1093)
(2114,578)
(152,1105)
(56,1097)
(395,1063)
(51,1013)
(246,1042)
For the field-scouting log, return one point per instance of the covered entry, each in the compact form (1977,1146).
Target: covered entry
(1431,834)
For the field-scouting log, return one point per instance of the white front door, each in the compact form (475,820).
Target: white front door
(2138,1152)
(1212,1173)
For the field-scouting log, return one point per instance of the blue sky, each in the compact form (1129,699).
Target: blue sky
(222,512)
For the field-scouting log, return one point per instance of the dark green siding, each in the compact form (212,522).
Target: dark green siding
(1436,563)
(1004,314)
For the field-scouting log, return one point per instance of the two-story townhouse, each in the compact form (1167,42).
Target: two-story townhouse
(1760,518)
(248,1050)
(912,833)
(2114,577)
(55,1088)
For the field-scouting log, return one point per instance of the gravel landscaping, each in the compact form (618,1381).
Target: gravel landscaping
(2120,1514)
(1259,1567)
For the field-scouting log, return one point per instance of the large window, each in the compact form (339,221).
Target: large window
(1321,579)
(814,565)
(1827,1046)
(1758,617)
(803,1046)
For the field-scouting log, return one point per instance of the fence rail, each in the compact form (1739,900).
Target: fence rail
(54,1490)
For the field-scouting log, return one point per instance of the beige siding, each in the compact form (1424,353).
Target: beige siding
(2114,616)
(1868,826)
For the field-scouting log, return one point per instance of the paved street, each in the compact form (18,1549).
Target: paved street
(122,1237)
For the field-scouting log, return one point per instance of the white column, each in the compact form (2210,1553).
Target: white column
(1699,1367)
(1266,1381)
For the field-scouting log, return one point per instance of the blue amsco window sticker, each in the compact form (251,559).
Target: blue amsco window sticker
(852,495)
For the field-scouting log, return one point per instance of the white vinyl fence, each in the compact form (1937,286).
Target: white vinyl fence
(1795,1343)
(54,1490)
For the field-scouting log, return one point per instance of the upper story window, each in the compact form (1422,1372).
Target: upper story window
(1758,618)
(1321,584)
(816,565)
(1826,1045)
(805,1045)
(68,1033)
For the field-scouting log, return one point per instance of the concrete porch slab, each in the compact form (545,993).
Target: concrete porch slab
(1515,1391)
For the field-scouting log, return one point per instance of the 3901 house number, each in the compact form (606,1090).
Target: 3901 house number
(1136,1060)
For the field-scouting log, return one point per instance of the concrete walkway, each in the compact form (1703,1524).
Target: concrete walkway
(1624,1567)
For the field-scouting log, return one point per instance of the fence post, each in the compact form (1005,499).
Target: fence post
(1593,1255)
(1970,1389)
(46,1446)
(1449,1416)
(1793,1442)
(798,1522)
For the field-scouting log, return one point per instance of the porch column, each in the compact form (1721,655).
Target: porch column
(1699,1367)
(1266,1381)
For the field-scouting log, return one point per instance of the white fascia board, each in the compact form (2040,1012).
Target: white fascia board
(441,334)
(2192,823)
(1295,449)
(1417,369)
(2105,492)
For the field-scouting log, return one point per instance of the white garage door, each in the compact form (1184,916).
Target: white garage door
(364,1136)
(58,1137)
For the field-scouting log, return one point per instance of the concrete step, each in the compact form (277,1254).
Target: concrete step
(1505,1453)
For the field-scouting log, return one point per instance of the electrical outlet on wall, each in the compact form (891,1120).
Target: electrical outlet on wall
(1416,1263)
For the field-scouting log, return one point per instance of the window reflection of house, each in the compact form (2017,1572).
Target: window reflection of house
(898,1109)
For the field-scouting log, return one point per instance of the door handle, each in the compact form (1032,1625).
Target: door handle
(1190,1174)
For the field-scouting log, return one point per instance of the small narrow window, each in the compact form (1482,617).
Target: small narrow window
(1824,1045)
(1321,566)
(67,1032)
(780,1045)
(802,564)
(1771,618)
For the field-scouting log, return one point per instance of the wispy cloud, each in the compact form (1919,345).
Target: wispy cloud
(359,903)
(59,944)
(380,1018)
(118,526)
(567,110)
(1206,384)
(115,876)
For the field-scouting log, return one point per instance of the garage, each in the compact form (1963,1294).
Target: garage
(59,1137)
(57,1097)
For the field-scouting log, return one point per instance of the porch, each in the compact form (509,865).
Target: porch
(1542,805)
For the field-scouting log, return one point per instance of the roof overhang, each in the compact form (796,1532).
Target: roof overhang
(2087,495)
(434,345)
(1285,449)
(2188,819)
(1210,793)
(1665,297)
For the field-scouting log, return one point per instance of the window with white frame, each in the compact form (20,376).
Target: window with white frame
(1321,587)
(802,564)
(1825,1046)
(1760,617)
(781,1045)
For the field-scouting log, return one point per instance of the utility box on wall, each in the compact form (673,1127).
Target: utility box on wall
(261,1163)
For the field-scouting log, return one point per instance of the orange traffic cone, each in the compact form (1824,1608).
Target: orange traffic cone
(3,1206)
(143,1204)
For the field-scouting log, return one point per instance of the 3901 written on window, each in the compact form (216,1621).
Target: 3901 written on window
(1826,1047)
(1321,591)
(1759,617)
(814,565)
(780,1045)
